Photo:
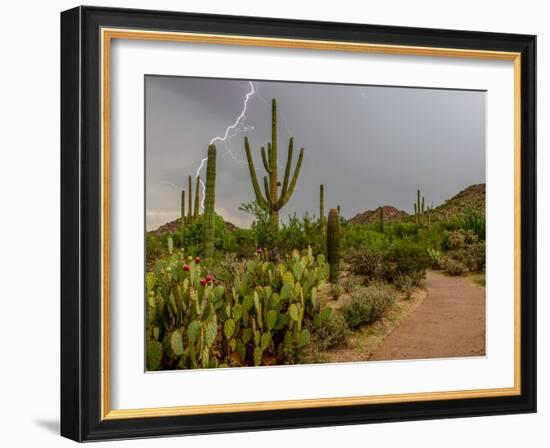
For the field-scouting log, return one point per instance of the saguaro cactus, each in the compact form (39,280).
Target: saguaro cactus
(322,208)
(197,200)
(381,220)
(182,220)
(209,205)
(273,201)
(190,196)
(419,210)
(333,245)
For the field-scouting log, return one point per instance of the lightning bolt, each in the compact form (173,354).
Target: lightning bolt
(230,132)
(170,184)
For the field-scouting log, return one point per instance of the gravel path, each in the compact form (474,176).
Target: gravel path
(450,322)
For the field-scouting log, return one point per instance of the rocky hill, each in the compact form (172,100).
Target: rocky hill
(391,214)
(172,226)
(472,197)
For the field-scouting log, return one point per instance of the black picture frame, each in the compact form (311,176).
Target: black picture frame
(81,224)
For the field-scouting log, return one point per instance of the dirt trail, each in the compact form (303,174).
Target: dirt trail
(450,322)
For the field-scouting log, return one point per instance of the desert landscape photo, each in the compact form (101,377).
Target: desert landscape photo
(296,223)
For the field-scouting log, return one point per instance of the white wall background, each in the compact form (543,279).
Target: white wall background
(29,221)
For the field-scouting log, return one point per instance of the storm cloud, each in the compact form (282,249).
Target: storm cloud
(369,145)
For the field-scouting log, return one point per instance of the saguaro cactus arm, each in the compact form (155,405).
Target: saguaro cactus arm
(284,198)
(288,166)
(259,199)
(265,160)
(266,190)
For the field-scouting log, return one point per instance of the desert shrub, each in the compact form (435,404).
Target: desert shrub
(459,239)
(402,230)
(364,262)
(332,331)
(300,234)
(452,266)
(474,257)
(367,304)
(335,290)
(410,258)
(263,234)
(243,243)
(362,236)
(405,283)
(350,283)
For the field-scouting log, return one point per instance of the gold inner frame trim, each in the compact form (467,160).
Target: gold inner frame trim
(107,35)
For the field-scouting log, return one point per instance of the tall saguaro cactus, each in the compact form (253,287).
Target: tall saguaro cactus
(209,205)
(322,208)
(190,196)
(381,220)
(333,245)
(182,221)
(274,200)
(197,200)
(419,210)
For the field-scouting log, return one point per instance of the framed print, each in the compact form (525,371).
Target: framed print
(276,224)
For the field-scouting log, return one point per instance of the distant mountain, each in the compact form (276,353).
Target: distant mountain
(391,214)
(172,226)
(472,197)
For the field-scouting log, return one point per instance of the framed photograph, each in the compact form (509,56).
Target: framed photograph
(276,224)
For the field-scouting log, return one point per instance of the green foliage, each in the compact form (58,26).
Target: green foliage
(475,221)
(435,257)
(408,258)
(367,304)
(263,236)
(361,235)
(400,258)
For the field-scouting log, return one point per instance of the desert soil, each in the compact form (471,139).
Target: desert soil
(450,322)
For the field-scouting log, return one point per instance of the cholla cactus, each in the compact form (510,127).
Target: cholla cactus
(272,200)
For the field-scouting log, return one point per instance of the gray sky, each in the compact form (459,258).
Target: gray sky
(368,145)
